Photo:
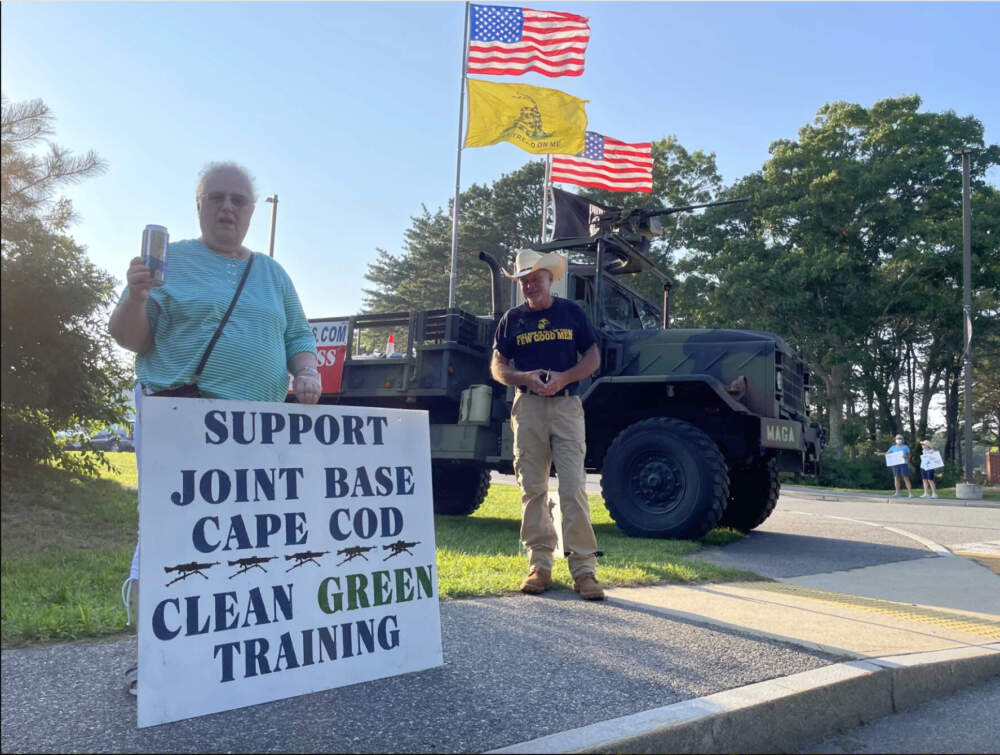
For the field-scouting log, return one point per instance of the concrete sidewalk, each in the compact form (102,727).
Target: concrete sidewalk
(904,653)
(827,494)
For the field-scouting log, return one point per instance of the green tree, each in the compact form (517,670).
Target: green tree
(29,181)
(679,178)
(59,366)
(506,216)
(499,219)
(850,245)
(986,390)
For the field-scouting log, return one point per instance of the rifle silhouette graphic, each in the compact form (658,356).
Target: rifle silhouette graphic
(246,564)
(304,557)
(186,570)
(354,551)
(400,546)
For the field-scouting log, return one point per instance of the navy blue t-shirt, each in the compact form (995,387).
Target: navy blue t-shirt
(545,339)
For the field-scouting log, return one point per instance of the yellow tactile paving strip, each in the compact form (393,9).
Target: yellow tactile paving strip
(969,624)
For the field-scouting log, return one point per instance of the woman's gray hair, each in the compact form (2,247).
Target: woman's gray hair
(225,167)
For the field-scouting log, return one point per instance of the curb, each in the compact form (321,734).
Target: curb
(783,714)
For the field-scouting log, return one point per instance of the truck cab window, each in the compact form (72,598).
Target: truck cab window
(618,308)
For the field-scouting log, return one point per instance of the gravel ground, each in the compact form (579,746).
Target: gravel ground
(515,668)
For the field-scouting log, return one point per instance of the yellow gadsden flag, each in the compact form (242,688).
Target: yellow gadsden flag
(538,120)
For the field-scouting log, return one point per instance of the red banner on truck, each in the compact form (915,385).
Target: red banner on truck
(331,348)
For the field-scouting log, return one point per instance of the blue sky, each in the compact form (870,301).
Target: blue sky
(349,111)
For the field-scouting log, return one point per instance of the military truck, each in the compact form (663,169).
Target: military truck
(688,428)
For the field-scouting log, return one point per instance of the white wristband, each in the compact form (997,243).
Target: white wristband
(310,370)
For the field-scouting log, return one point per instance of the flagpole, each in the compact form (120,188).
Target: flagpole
(545,192)
(453,278)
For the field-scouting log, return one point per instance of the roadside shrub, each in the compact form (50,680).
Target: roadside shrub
(871,473)
(867,472)
(947,476)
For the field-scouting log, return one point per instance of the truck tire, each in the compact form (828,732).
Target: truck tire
(459,489)
(753,494)
(664,478)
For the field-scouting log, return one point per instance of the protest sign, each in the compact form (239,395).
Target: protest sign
(931,459)
(894,458)
(284,549)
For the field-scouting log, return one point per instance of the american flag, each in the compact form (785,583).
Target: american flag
(607,163)
(511,41)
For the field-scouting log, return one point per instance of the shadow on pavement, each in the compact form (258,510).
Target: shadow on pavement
(782,554)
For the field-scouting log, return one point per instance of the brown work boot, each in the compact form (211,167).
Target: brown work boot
(537,581)
(588,587)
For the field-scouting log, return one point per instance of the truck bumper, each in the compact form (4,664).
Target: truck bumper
(782,434)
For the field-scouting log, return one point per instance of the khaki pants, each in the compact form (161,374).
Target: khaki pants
(547,430)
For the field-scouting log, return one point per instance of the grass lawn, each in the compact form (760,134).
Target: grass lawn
(67,544)
(479,555)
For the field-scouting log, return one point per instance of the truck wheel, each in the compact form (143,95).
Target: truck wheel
(663,477)
(753,494)
(459,489)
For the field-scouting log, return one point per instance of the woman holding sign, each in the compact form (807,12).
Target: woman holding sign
(185,346)
(897,458)
(927,458)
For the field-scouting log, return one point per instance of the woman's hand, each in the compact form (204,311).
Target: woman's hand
(128,324)
(307,385)
(140,280)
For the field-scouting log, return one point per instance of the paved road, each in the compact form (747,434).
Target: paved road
(960,723)
(865,547)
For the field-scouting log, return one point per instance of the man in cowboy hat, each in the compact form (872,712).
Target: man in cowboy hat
(545,347)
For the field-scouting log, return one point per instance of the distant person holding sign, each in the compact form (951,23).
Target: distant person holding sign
(545,347)
(185,346)
(897,458)
(929,461)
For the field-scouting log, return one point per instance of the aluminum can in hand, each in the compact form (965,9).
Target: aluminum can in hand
(154,251)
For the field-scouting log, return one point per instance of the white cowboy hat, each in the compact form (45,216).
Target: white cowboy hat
(528,261)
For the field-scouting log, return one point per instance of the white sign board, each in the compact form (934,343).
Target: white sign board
(284,549)
(894,458)
(931,459)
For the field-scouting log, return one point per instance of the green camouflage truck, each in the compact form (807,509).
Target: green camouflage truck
(688,428)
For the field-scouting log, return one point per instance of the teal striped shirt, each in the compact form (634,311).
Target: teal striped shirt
(250,360)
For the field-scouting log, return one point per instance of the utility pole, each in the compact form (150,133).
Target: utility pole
(967,305)
(273,199)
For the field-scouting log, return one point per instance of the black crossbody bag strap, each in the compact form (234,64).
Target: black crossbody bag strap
(225,319)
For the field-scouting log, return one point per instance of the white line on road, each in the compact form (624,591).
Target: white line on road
(929,544)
